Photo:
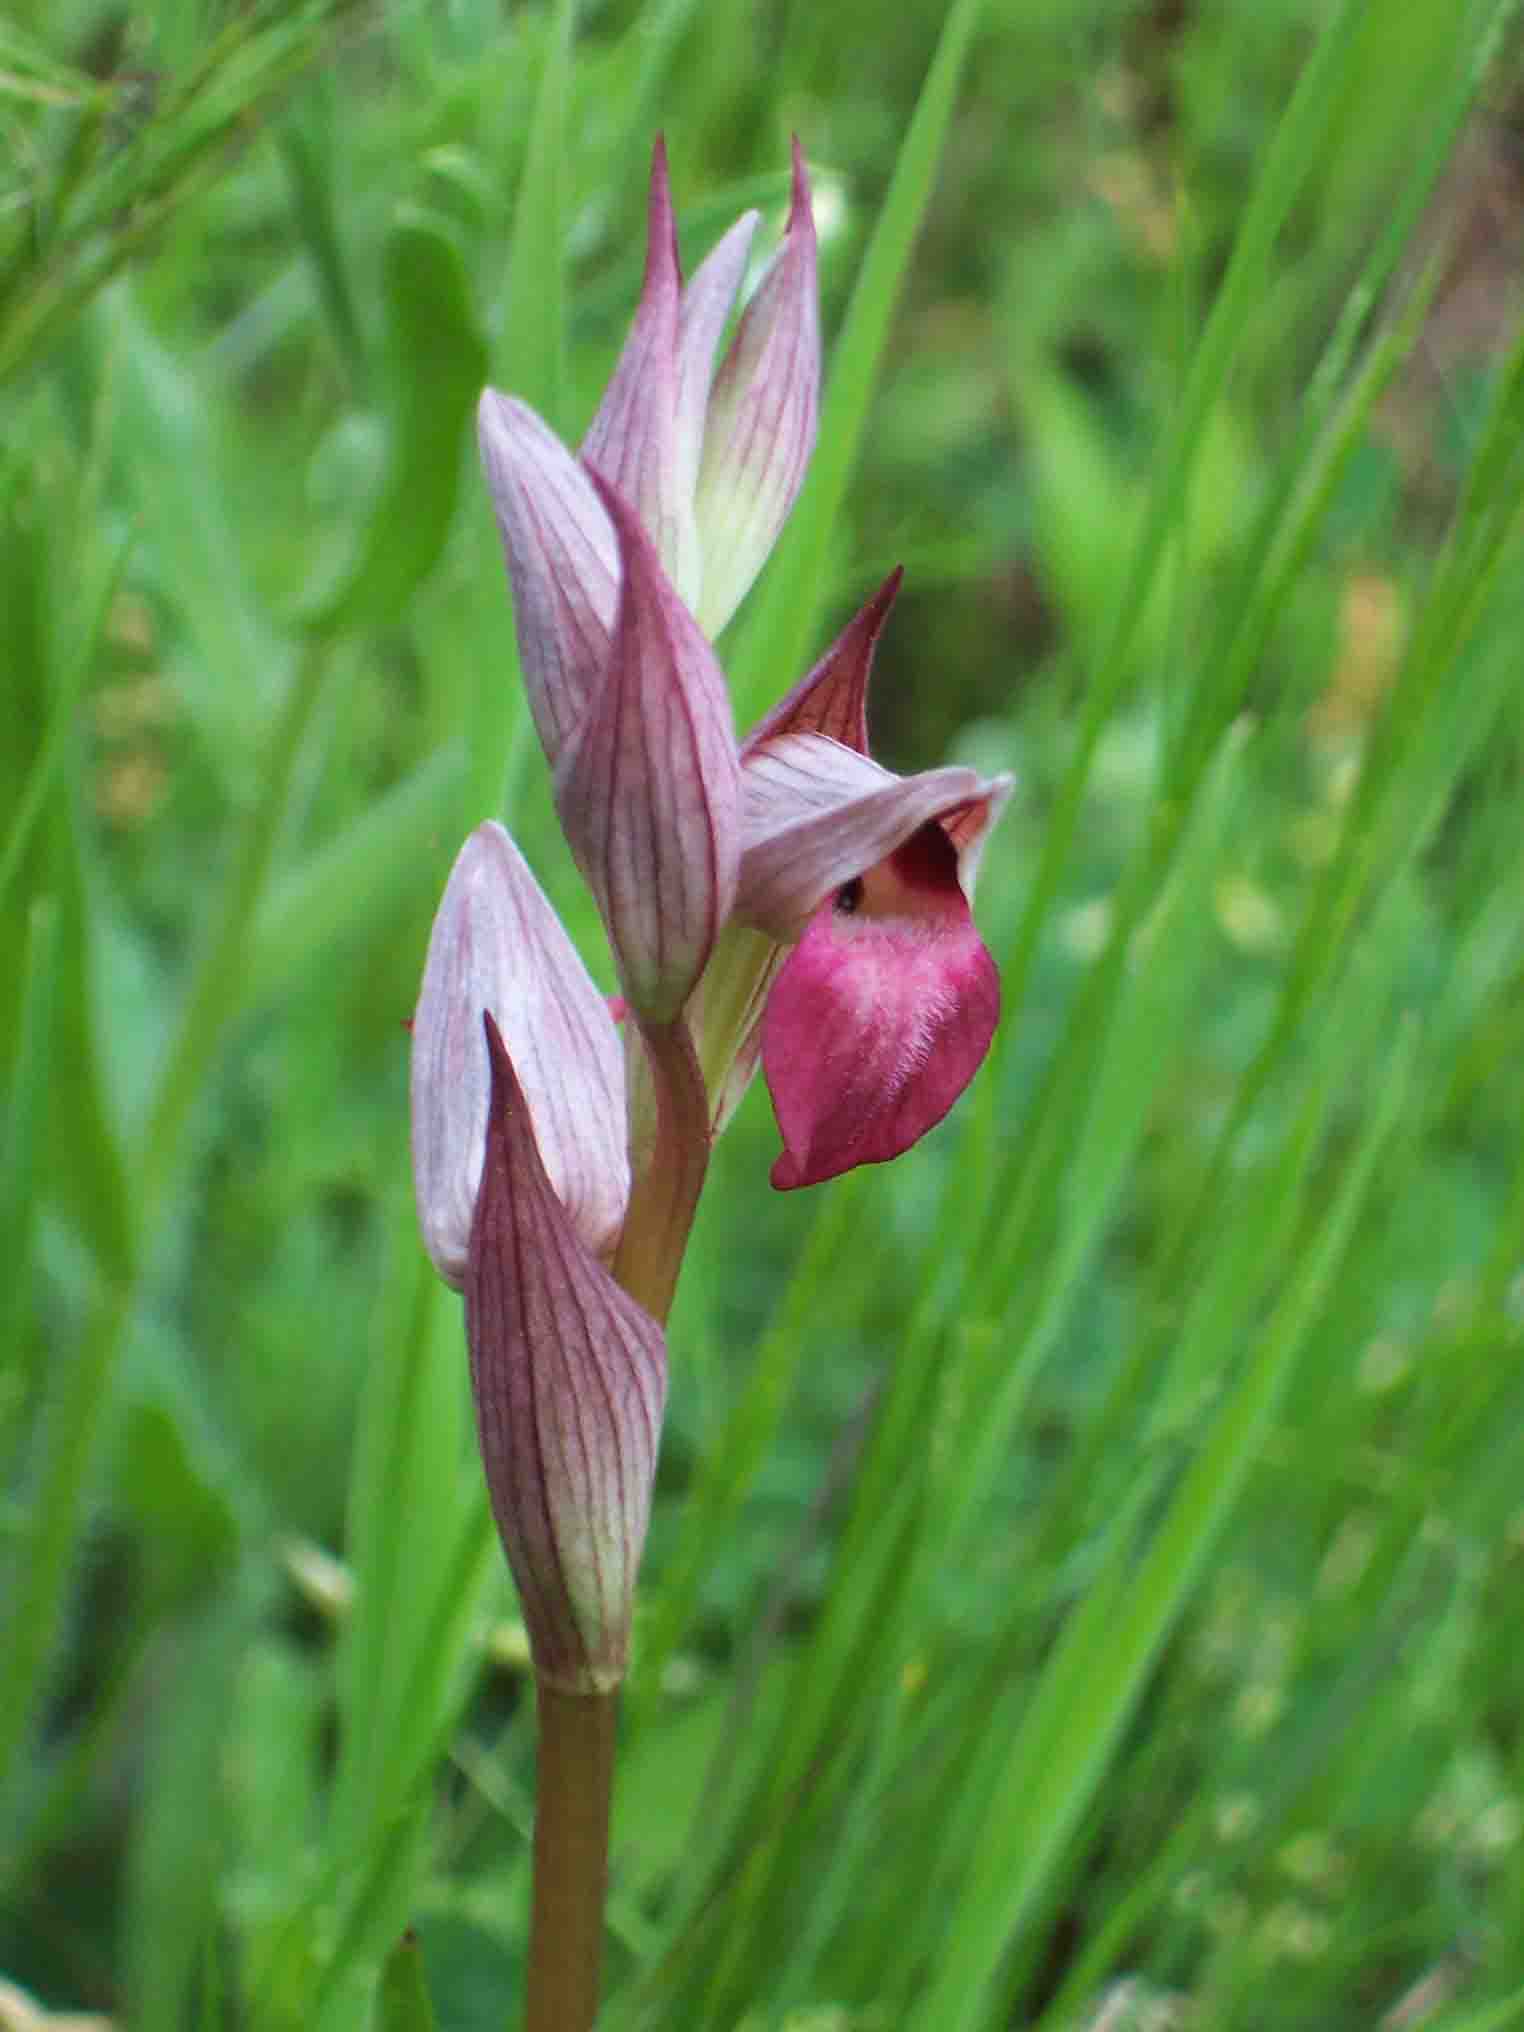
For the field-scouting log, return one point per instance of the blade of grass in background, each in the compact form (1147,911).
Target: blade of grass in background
(530,357)
(106,190)
(780,634)
(1299,139)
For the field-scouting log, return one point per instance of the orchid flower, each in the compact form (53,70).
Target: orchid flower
(782,899)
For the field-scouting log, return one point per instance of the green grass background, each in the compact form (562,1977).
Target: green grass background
(1086,1585)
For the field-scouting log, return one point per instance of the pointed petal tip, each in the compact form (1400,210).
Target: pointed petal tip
(801,211)
(875,611)
(661,220)
(504,1089)
(506,419)
(832,699)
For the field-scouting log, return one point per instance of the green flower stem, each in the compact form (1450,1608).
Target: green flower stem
(571,1843)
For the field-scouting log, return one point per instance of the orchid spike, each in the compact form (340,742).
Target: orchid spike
(786,901)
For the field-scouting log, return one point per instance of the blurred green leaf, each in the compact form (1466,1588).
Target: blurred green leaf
(436,365)
(351,889)
(403,2005)
(532,353)
(780,629)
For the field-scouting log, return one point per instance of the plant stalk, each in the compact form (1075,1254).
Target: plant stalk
(571,1845)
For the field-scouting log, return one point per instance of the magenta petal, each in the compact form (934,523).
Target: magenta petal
(763,413)
(833,699)
(563,563)
(569,1378)
(649,792)
(881,1016)
(633,439)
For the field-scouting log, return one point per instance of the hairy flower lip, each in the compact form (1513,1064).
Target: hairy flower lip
(880,1016)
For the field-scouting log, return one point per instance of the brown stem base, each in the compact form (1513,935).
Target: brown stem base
(571,1841)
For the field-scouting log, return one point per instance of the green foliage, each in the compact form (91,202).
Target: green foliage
(1084,1583)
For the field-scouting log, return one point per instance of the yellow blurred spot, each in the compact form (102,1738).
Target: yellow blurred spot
(1371,633)
(128,791)
(1125,182)
(1384,1364)
(1249,917)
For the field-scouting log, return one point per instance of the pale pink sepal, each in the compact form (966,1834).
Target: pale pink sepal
(569,1377)
(633,439)
(817,814)
(563,563)
(497,946)
(706,304)
(763,412)
(833,698)
(880,1017)
(649,791)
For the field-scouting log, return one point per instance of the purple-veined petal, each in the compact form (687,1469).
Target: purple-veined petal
(569,1377)
(817,814)
(649,792)
(833,699)
(633,439)
(498,946)
(563,563)
(706,304)
(763,412)
(880,1016)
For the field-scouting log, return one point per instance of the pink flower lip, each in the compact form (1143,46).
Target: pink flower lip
(880,1016)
